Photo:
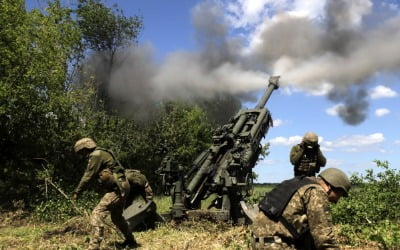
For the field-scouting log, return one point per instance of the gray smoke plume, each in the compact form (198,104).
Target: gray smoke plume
(341,51)
(214,71)
(355,103)
(352,42)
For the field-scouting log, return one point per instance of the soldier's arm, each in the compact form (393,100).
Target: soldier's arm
(295,154)
(321,158)
(320,219)
(92,168)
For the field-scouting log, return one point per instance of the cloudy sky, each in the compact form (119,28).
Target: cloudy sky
(339,64)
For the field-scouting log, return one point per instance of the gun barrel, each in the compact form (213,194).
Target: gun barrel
(273,84)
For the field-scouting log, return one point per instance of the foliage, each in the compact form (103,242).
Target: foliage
(40,114)
(36,116)
(185,130)
(58,209)
(372,209)
(104,28)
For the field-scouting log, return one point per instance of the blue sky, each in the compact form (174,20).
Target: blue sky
(319,47)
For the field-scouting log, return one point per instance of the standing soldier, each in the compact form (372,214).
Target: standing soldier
(110,175)
(296,214)
(306,156)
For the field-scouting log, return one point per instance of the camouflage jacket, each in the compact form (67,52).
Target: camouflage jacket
(98,160)
(308,208)
(307,161)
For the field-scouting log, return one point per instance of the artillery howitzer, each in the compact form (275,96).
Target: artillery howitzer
(224,169)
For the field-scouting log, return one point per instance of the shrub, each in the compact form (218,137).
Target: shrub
(58,208)
(372,209)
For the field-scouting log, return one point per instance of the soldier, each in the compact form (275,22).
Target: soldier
(296,214)
(306,156)
(110,175)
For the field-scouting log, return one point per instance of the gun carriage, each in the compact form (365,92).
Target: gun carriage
(224,170)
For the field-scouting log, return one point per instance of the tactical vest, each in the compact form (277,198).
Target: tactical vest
(274,202)
(308,162)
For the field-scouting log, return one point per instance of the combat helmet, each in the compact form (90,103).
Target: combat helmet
(336,178)
(310,138)
(84,143)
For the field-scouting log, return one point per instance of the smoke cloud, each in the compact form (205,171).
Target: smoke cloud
(343,48)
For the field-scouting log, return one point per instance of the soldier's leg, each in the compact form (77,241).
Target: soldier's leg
(97,219)
(120,222)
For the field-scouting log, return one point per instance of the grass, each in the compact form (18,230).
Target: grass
(22,231)
(203,235)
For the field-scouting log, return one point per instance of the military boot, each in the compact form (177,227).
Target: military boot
(127,244)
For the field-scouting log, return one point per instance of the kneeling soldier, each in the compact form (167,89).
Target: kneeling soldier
(296,213)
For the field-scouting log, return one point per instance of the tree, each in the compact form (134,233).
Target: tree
(35,111)
(105,31)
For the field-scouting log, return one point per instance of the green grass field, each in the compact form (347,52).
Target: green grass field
(19,230)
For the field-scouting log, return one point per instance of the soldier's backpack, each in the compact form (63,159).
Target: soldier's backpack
(139,185)
(274,202)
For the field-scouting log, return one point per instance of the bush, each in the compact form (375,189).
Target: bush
(372,209)
(58,208)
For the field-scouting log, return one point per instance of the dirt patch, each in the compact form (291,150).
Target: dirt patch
(74,226)
(15,218)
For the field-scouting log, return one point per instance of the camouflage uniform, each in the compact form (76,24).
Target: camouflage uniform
(139,186)
(99,165)
(306,163)
(309,212)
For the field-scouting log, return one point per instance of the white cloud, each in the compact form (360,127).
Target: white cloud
(290,141)
(382,92)
(334,163)
(334,110)
(352,143)
(382,112)
(277,122)
(355,143)
(244,13)
(308,8)
(397,142)
(283,141)
(321,90)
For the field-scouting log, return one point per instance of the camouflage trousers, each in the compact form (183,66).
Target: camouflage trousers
(111,203)
(269,243)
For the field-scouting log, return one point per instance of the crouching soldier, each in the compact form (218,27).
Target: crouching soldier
(296,213)
(110,175)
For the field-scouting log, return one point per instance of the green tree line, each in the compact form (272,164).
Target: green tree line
(48,99)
